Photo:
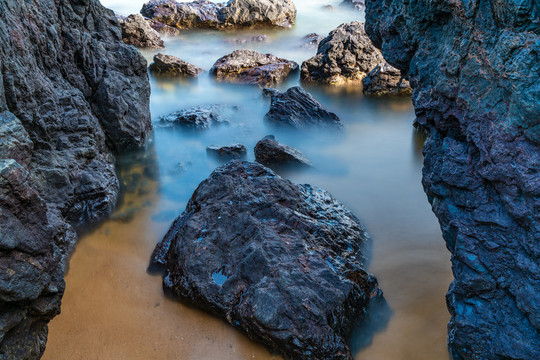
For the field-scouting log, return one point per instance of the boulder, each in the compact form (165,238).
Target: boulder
(163,29)
(199,117)
(235,151)
(203,14)
(252,67)
(298,109)
(281,262)
(172,66)
(346,55)
(272,153)
(386,80)
(137,31)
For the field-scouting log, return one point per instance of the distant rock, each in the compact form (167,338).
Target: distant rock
(199,117)
(252,67)
(386,80)
(357,4)
(298,109)
(249,39)
(346,55)
(202,14)
(312,40)
(172,66)
(235,151)
(162,28)
(272,153)
(282,262)
(137,31)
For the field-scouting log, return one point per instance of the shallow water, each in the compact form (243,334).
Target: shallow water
(113,309)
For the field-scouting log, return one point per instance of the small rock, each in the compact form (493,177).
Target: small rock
(252,67)
(384,80)
(357,4)
(235,151)
(272,153)
(172,66)
(137,31)
(199,117)
(298,109)
(249,39)
(312,40)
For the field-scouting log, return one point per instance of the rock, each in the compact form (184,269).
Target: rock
(280,261)
(250,39)
(202,14)
(162,28)
(71,95)
(346,55)
(172,66)
(297,109)
(272,153)
(475,72)
(357,4)
(252,67)
(137,31)
(312,40)
(235,151)
(199,117)
(385,80)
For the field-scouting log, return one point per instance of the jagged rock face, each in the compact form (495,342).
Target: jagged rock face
(137,31)
(199,117)
(250,240)
(70,93)
(203,14)
(252,67)
(386,80)
(172,66)
(272,153)
(346,55)
(474,67)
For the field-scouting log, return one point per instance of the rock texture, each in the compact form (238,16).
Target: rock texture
(312,40)
(272,153)
(386,80)
(346,55)
(297,109)
(71,93)
(137,31)
(199,117)
(172,66)
(203,14)
(235,151)
(280,261)
(252,67)
(474,67)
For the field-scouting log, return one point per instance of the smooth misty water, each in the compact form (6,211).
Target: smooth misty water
(113,309)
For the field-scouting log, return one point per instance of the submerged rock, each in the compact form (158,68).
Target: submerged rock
(202,14)
(172,66)
(345,55)
(137,31)
(280,261)
(357,4)
(235,151)
(199,117)
(249,39)
(252,67)
(312,40)
(272,153)
(297,109)
(475,72)
(385,80)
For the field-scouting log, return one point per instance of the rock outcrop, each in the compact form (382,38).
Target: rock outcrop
(137,31)
(346,55)
(252,67)
(385,80)
(282,262)
(169,65)
(297,109)
(199,117)
(234,14)
(234,151)
(474,67)
(272,153)
(71,94)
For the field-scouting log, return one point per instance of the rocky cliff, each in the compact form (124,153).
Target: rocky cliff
(475,69)
(71,94)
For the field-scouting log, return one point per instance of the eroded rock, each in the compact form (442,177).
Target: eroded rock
(199,117)
(272,153)
(172,66)
(280,261)
(386,80)
(137,31)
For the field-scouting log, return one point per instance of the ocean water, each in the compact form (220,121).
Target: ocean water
(113,309)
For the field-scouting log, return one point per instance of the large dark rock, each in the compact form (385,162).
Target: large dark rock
(280,261)
(475,70)
(386,80)
(71,93)
(199,117)
(203,14)
(137,31)
(172,66)
(298,109)
(252,67)
(346,55)
(272,153)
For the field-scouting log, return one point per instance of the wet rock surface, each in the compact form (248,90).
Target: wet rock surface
(282,262)
(233,14)
(297,109)
(475,72)
(252,67)
(272,153)
(199,117)
(137,31)
(172,66)
(386,80)
(312,40)
(346,55)
(71,94)
(234,151)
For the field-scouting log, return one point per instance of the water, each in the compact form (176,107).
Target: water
(113,309)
